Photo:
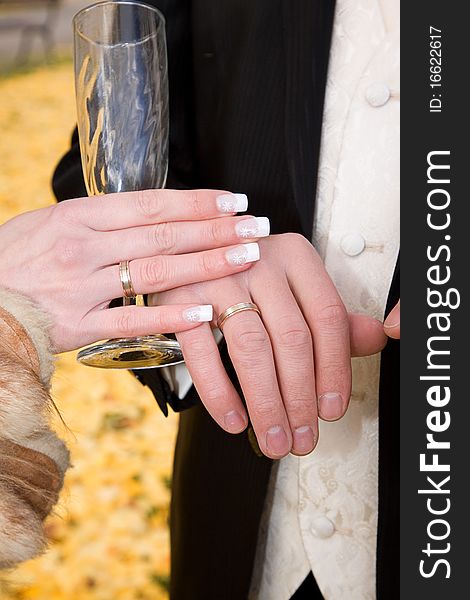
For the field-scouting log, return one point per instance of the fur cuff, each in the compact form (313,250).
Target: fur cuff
(36,323)
(21,534)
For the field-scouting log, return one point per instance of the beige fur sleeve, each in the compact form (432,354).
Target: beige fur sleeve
(26,366)
(36,324)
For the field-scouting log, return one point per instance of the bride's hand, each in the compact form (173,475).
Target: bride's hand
(66,258)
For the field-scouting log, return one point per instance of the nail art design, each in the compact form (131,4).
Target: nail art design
(198,314)
(229,203)
(243,254)
(254,227)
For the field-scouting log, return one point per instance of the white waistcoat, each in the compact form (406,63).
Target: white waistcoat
(321,510)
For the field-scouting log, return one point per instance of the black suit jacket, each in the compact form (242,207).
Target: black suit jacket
(247,82)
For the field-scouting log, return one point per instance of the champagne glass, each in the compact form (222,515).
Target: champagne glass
(121,86)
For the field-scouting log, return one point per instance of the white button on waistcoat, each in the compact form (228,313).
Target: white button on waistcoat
(377,93)
(352,244)
(322,527)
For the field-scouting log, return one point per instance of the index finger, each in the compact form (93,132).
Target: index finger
(132,209)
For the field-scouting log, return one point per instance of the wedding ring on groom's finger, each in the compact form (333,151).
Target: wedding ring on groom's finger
(233,310)
(126,282)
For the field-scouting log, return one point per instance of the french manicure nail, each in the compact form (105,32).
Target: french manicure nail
(234,422)
(304,440)
(198,314)
(253,227)
(330,406)
(229,203)
(245,253)
(277,441)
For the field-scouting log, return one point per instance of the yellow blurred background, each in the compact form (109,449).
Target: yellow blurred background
(109,537)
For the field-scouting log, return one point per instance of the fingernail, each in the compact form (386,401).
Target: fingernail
(245,253)
(277,441)
(393,319)
(229,203)
(330,406)
(253,227)
(234,422)
(304,440)
(197,314)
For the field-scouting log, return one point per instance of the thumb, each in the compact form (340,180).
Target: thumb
(392,322)
(366,335)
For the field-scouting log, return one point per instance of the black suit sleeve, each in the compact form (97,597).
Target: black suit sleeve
(67,180)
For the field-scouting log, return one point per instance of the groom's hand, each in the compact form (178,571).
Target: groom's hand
(292,361)
(392,322)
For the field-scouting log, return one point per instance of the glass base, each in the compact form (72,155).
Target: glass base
(143,352)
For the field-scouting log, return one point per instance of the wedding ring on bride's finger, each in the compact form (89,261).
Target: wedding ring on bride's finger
(126,281)
(233,310)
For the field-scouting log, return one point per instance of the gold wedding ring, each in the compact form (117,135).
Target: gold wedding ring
(233,310)
(126,282)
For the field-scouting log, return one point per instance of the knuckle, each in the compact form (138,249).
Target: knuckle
(291,236)
(294,239)
(298,243)
(265,409)
(299,405)
(217,233)
(68,213)
(333,372)
(250,341)
(124,324)
(196,202)
(148,204)
(333,316)
(159,323)
(154,273)
(293,334)
(163,238)
(61,213)
(212,394)
(199,347)
(209,264)
(197,351)
(69,251)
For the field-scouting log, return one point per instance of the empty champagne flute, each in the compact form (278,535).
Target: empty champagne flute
(121,84)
